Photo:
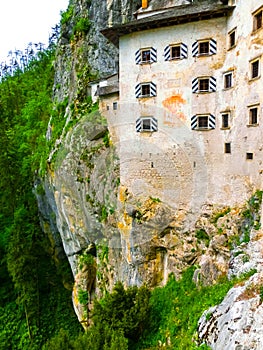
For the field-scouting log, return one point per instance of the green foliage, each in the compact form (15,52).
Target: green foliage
(201,235)
(82,26)
(67,15)
(85,260)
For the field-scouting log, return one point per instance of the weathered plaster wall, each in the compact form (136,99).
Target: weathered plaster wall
(176,162)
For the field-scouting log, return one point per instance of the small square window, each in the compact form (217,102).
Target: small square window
(255,69)
(145,90)
(148,124)
(204,84)
(176,52)
(232,38)
(228,147)
(203,48)
(115,106)
(249,156)
(257,20)
(225,120)
(228,80)
(145,56)
(202,122)
(253,116)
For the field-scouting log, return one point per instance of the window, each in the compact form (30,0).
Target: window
(147,55)
(225,120)
(254,69)
(257,19)
(232,38)
(227,147)
(253,115)
(175,52)
(203,122)
(249,156)
(204,47)
(115,106)
(146,124)
(145,90)
(228,80)
(204,84)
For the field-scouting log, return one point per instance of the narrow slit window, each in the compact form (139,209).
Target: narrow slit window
(115,106)
(232,38)
(228,147)
(253,116)
(255,69)
(257,20)
(225,121)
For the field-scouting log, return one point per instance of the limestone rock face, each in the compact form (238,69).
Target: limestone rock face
(237,322)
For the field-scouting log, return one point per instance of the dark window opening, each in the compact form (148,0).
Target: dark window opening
(115,106)
(227,147)
(232,39)
(175,51)
(225,120)
(146,56)
(204,48)
(203,122)
(255,69)
(203,84)
(253,116)
(249,156)
(146,124)
(257,20)
(228,80)
(145,90)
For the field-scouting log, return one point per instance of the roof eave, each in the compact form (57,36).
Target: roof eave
(114,33)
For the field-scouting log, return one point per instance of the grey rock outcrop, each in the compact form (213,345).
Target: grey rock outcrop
(236,323)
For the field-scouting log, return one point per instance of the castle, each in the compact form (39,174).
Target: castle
(186,112)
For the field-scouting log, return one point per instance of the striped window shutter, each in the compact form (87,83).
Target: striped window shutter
(195,49)
(183,51)
(153,90)
(194,122)
(137,90)
(167,53)
(195,85)
(212,47)
(138,125)
(212,84)
(154,124)
(138,57)
(153,54)
(211,122)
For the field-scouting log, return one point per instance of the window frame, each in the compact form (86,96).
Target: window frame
(139,90)
(148,52)
(226,82)
(115,105)
(153,124)
(257,20)
(139,55)
(197,87)
(225,114)
(197,50)
(230,34)
(253,118)
(198,122)
(252,62)
(183,54)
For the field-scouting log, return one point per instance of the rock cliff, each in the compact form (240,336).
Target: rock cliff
(108,233)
